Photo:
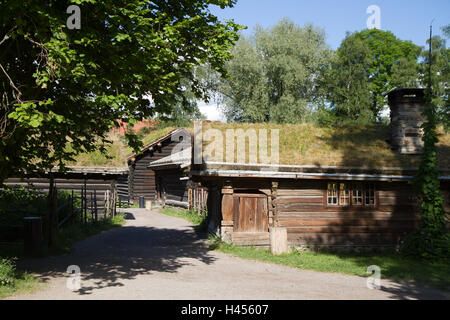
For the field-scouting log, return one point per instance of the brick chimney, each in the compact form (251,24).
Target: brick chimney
(406,118)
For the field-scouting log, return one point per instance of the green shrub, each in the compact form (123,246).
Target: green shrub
(427,244)
(20,201)
(7,272)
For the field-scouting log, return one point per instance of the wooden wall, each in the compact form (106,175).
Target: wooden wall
(173,187)
(142,179)
(301,207)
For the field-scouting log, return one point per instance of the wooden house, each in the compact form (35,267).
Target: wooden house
(332,187)
(154,176)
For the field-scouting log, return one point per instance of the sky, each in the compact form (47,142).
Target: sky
(408,20)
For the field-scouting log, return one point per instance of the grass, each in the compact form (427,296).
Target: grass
(22,283)
(349,145)
(189,215)
(299,144)
(393,266)
(15,281)
(117,151)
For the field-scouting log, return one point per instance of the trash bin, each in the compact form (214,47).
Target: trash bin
(32,236)
(141,202)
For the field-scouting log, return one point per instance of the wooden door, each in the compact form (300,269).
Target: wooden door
(250,213)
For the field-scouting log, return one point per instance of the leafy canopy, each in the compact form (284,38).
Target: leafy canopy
(273,75)
(127,62)
(369,64)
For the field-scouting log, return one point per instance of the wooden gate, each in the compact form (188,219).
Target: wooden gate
(250,212)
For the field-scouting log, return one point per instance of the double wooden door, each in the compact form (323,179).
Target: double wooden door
(250,212)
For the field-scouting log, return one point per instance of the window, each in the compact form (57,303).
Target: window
(355,194)
(344,194)
(370,195)
(332,194)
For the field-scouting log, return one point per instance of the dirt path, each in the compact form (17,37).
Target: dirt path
(159,257)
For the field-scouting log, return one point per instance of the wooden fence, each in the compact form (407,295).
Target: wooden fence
(82,206)
(197,200)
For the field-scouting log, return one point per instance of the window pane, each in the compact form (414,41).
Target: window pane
(357,196)
(344,194)
(370,194)
(332,193)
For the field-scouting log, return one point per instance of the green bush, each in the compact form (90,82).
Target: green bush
(7,272)
(20,201)
(427,244)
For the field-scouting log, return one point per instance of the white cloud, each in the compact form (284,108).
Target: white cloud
(211,111)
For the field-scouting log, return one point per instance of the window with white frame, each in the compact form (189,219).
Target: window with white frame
(357,194)
(354,194)
(344,194)
(332,194)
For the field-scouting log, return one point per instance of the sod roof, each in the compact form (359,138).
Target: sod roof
(301,145)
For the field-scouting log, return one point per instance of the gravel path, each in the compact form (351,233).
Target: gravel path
(159,257)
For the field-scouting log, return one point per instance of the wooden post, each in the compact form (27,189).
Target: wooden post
(106,210)
(226,230)
(85,202)
(95,205)
(91,206)
(72,207)
(273,216)
(278,240)
(114,202)
(82,204)
(189,198)
(49,223)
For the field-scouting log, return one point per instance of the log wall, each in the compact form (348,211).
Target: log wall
(173,185)
(310,221)
(142,179)
(301,207)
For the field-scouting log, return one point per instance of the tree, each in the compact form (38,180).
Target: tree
(431,239)
(346,85)
(388,62)
(440,69)
(273,76)
(63,86)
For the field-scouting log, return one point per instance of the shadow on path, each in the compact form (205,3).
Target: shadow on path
(105,260)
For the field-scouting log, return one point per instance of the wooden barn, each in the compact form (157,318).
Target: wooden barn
(100,183)
(332,187)
(158,172)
